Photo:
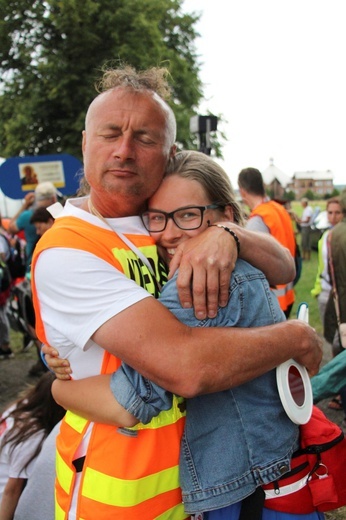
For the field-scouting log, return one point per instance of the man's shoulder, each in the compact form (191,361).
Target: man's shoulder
(339,233)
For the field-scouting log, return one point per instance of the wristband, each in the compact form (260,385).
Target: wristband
(231,232)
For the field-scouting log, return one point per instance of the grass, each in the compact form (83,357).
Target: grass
(308,277)
(303,292)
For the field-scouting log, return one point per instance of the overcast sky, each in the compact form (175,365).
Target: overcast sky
(275,69)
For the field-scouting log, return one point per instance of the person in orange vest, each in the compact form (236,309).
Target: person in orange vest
(267,216)
(95,276)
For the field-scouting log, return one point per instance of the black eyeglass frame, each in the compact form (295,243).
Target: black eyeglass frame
(169,215)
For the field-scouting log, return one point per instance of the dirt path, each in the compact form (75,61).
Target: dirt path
(14,373)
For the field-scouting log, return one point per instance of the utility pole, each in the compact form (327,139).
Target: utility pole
(203,125)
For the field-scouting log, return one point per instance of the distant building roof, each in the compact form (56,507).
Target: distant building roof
(272,173)
(314,175)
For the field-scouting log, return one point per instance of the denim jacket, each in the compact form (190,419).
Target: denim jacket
(234,440)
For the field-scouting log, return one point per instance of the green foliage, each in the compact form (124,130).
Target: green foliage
(309,195)
(52,53)
(334,193)
(290,195)
(270,193)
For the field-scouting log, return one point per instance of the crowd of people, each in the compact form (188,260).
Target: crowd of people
(170,321)
(30,222)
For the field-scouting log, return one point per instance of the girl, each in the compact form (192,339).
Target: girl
(236,440)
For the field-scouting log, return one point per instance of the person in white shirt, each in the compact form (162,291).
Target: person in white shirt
(23,427)
(305,227)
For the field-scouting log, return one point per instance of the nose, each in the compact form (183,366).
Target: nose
(172,232)
(124,148)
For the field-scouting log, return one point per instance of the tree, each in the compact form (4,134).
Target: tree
(52,52)
(309,194)
(290,195)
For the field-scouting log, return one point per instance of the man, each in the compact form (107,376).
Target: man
(44,195)
(337,271)
(305,227)
(100,311)
(267,216)
(42,220)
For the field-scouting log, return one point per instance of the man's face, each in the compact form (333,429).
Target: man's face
(334,213)
(42,227)
(125,149)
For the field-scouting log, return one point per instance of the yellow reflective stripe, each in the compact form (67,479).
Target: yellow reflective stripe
(128,493)
(64,474)
(176,513)
(166,417)
(75,421)
(59,512)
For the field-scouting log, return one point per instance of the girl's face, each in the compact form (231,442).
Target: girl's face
(176,192)
(334,213)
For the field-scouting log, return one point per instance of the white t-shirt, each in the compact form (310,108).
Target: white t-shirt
(78,292)
(12,461)
(37,500)
(307,214)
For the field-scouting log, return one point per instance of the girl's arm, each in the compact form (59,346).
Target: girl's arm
(92,399)
(10,497)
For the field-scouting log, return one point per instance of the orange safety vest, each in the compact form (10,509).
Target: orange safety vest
(277,219)
(132,473)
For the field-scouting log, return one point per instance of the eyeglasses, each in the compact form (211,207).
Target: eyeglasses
(186,218)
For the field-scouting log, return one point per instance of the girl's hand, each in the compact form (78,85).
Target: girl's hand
(60,367)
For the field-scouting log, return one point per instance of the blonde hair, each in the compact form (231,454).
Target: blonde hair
(211,176)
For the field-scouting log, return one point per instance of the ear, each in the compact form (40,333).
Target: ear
(241,191)
(83,140)
(228,212)
(173,151)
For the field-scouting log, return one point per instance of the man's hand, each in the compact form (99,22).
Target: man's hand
(60,367)
(29,200)
(310,345)
(205,266)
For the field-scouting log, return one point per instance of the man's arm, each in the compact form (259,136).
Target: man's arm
(206,263)
(29,200)
(192,361)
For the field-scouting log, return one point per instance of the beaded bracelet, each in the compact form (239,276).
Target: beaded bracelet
(231,232)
